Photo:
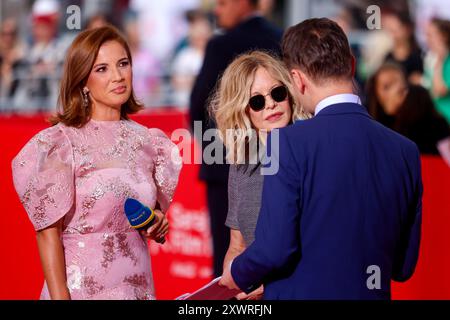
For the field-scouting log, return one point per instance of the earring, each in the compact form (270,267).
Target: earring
(85,97)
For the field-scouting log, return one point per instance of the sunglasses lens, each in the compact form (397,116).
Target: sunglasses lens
(279,93)
(257,102)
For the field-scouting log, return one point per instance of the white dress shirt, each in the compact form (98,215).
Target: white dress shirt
(337,98)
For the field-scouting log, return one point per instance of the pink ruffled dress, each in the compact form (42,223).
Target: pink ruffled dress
(84,175)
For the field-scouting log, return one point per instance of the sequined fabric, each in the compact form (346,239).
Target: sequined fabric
(84,175)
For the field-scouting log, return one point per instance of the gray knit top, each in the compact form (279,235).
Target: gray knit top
(245,184)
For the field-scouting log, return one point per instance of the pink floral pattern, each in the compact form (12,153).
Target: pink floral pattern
(84,175)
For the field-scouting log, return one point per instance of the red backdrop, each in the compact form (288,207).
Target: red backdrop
(183,263)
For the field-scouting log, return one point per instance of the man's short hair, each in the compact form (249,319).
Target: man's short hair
(318,47)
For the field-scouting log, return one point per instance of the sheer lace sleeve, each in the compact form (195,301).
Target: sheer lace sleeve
(43,177)
(167,167)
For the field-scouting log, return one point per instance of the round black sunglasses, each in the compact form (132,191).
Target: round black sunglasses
(258,102)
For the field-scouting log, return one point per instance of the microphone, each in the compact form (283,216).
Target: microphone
(139,216)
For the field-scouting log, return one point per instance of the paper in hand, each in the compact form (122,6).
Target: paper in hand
(211,291)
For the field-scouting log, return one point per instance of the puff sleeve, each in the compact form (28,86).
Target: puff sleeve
(43,177)
(167,167)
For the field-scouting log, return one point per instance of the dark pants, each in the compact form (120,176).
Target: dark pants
(217,194)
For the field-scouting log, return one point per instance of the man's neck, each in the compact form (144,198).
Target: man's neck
(329,90)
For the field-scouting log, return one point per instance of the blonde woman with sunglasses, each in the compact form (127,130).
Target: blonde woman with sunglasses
(254,96)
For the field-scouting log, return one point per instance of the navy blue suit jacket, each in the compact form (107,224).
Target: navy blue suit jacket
(255,33)
(346,200)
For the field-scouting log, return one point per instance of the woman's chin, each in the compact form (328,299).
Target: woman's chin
(277,125)
(119,100)
(117,103)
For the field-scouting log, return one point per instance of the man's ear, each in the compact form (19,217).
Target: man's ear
(299,80)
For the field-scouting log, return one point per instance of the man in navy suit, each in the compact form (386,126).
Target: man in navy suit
(245,30)
(342,216)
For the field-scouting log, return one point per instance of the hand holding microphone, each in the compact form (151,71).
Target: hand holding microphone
(151,224)
(159,229)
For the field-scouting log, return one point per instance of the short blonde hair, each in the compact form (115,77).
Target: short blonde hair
(229,104)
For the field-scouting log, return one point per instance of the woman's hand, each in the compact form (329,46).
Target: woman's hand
(159,229)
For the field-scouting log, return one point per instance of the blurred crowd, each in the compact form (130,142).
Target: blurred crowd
(405,85)
(163,71)
(404,82)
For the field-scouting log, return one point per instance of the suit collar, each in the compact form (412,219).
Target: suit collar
(344,108)
(335,99)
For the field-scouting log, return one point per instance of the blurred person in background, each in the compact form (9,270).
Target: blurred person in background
(255,95)
(437,65)
(189,60)
(12,52)
(266,7)
(244,29)
(406,51)
(191,16)
(425,10)
(161,25)
(97,21)
(39,81)
(345,19)
(409,110)
(376,46)
(147,68)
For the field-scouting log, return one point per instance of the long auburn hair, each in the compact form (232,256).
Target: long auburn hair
(78,64)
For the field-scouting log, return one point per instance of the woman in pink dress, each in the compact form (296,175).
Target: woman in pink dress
(74,177)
